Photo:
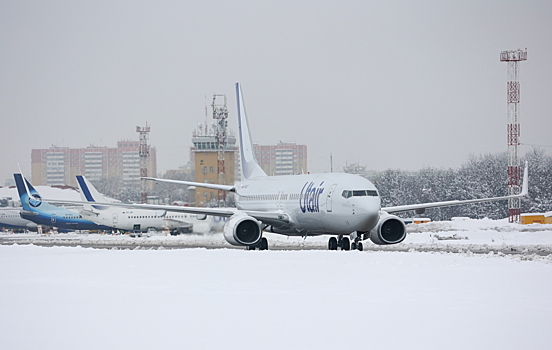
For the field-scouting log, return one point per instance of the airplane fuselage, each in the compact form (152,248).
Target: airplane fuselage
(315,204)
(11,218)
(61,218)
(141,220)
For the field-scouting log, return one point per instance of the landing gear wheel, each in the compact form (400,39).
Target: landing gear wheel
(250,247)
(359,246)
(263,244)
(332,243)
(345,243)
(353,246)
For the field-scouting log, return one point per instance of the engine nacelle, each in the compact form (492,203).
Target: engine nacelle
(242,230)
(390,229)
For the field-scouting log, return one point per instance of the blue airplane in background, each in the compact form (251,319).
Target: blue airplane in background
(44,213)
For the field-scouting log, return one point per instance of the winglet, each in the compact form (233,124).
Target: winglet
(525,184)
(250,167)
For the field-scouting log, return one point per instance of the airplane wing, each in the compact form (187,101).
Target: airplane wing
(264,216)
(175,208)
(403,208)
(191,183)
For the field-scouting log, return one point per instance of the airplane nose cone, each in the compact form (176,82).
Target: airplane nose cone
(369,210)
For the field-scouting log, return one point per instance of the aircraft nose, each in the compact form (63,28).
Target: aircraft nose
(371,205)
(369,210)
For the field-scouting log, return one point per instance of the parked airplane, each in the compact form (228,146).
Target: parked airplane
(43,213)
(10,218)
(338,204)
(135,220)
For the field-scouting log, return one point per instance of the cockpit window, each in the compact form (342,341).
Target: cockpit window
(359,193)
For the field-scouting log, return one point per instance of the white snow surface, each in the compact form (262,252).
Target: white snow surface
(73,297)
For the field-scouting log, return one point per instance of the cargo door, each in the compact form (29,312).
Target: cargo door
(115,218)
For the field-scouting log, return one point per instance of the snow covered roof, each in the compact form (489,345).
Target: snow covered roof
(532,214)
(67,193)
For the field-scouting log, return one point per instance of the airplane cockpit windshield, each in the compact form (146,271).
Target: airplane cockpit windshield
(359,193)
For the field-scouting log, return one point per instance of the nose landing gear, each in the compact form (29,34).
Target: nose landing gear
(344,243)
(357,244)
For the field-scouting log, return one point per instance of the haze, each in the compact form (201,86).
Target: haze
(395,85)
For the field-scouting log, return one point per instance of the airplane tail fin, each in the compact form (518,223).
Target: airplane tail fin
(28,195)
(249,166)
(89,193)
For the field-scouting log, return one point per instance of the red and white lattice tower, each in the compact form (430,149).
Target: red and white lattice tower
(144,153)
(514,171)
(220,114)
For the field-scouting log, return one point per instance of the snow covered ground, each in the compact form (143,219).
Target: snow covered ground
(73,297)
(457,235)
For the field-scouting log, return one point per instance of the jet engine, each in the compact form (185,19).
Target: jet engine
(242,230)
(390,229)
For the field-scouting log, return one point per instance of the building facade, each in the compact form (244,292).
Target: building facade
(282,159)
(59,165)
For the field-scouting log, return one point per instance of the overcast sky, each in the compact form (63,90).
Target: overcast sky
(388,85)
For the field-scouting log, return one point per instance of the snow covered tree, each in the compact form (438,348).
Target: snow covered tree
(540,182)
(481,176)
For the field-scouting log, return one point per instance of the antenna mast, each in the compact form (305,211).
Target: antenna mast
(220,114)
(513,97)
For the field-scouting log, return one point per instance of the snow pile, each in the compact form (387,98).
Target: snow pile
(478,235)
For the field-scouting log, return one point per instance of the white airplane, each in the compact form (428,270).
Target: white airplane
(134,220)
(343,205)
(11,218)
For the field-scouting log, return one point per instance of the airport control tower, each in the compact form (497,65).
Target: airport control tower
(214,154)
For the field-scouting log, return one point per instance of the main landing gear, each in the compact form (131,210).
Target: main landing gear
(344,243)
(261,245)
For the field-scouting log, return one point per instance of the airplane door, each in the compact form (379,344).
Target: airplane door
(53,218)
(280,199)
(115,218)
(329,198)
